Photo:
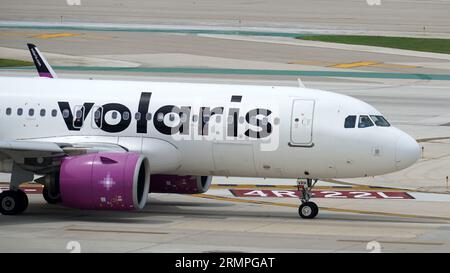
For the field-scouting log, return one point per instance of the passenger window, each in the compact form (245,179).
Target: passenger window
(148,116)
(97,114)
(230,120)
(364,121)
(54,113)
(137,116)
(126,115)
(66,113)
(183,117)
(380,121)
(114,115)
(350,122)
(31,112)
(8,111)
(19,111)
(265,121)
(42,113)
(79,114)
(79,117)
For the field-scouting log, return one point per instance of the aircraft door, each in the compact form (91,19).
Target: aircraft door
(302,122)
(30,113)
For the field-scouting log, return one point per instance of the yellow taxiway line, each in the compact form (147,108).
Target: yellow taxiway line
(355,64)
(55,35)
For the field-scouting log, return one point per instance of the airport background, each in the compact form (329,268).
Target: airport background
(250,42)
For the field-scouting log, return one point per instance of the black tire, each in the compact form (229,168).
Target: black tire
(50,197)
(13,202)
(308,210)
(24,200)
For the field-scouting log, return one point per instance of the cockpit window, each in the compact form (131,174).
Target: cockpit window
(380,121)
(364,121)
(350,122)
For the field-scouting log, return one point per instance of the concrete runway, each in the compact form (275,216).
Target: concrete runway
(219,220)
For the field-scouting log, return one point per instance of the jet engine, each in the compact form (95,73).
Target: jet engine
(110,181)
(179,184)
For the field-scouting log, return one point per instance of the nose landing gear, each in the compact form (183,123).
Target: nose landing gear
(308,209)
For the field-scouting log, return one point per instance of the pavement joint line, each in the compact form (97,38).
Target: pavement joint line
(388,65)
(431,139)
(394,242)
(115,231)
(280,204)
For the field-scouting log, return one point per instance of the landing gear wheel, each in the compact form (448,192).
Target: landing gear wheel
(51,197)
(13,202)
(308,210)
(24,200)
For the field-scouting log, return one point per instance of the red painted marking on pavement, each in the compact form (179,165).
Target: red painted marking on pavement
(323,194)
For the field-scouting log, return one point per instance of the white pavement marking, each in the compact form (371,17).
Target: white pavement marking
(418,196)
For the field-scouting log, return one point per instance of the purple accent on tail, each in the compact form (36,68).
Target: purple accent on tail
(45,74)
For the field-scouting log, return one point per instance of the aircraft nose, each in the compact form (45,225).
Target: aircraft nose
(407,151)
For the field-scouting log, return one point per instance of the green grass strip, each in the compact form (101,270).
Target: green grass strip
(13,63)
(416,44)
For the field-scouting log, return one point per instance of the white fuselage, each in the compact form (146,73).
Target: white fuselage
(255,131)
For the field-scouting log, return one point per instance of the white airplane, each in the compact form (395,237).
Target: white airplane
(101,144)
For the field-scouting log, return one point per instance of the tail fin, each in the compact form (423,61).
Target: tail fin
(42,66)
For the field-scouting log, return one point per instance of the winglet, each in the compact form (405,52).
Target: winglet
(42,66)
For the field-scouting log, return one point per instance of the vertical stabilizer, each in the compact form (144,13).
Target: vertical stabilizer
(42,66)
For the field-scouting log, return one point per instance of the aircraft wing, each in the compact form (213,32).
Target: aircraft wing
(19,150)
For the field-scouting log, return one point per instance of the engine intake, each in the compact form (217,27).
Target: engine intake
(111,181)
(180,184)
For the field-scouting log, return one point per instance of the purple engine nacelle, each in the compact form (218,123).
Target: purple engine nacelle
(111,181)
(179,184)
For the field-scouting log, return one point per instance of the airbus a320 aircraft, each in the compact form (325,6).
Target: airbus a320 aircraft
(100,144)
